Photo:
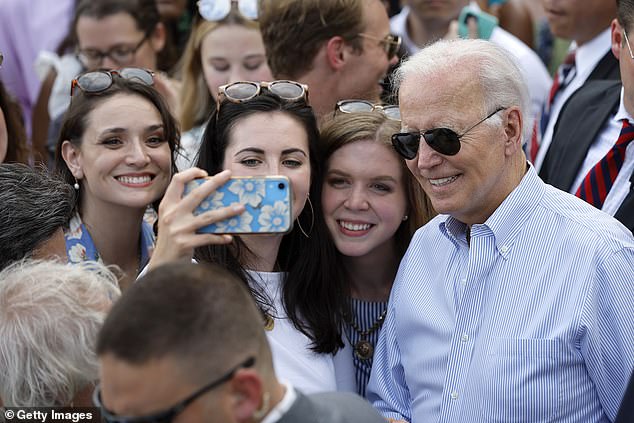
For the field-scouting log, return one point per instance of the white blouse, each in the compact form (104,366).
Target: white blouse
(293,359)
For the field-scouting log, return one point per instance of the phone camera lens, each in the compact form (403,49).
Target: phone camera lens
(281,185)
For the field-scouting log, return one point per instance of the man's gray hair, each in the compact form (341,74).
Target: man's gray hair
(33,206)
(500,77)
(50,315)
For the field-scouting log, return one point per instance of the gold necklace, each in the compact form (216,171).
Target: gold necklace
(363,348)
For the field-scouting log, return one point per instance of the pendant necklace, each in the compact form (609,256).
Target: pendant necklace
(363,348)
(269,322)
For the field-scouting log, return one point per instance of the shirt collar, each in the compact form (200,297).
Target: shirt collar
(508,220)
(622,113)
(282,407)
(588,55)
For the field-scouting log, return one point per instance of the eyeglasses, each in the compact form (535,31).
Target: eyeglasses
(98,81)
(217,10)
(356,106)
(443,140)
(391,43)
(120,54)
(239,92)
(628,44)
(167,415)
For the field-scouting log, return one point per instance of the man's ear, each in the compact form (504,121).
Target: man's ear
(618,39)
(158,37)
(336,52)
(250,402)
(72,157)
(513,121)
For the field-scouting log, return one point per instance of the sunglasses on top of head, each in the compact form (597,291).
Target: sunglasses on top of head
(217,10)
(443,140)
(358,106)
(99,81)
(241,91)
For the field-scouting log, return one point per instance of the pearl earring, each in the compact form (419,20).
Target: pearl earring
(76,186)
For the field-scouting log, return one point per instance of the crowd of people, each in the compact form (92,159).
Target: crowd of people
(461,246)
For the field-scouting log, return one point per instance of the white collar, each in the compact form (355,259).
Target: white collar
(282,407)
(622,112)
(589,54)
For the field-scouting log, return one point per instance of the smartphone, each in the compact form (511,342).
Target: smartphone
(267,200)
(486,23)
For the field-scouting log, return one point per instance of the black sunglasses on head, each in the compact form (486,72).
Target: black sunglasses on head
(443,140)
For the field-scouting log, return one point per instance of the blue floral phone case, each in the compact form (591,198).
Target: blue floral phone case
(267,200)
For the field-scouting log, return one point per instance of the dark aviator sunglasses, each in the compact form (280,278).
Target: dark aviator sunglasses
(443,140)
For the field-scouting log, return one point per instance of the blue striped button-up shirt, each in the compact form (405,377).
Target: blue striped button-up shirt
(533,322)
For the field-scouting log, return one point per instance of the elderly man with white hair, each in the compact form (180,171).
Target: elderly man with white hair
(50,315)
(515,303)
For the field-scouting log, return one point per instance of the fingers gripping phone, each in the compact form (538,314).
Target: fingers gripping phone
(486,23)
(267,200)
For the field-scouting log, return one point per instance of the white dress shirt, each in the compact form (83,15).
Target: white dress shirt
(586,59)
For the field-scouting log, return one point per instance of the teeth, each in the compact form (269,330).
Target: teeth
(133,180)
(442,181)
(355,226)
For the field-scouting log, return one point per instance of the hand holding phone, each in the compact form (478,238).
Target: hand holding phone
(177,237)
(267,201)
(486,23)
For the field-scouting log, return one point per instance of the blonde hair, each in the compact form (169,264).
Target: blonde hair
(196,99)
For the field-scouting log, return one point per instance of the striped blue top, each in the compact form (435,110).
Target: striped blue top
(366,314)
(534,322)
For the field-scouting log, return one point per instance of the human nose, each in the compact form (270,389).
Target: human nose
(106,62)
(427,157)
(357,200)
(236,76)
(137,154)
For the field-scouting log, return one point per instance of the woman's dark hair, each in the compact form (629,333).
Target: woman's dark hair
(293,253)
(17,150)
(81,106)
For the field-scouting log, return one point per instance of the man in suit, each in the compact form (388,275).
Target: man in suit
(187,342)
(589,127)
(587,24)
(341,49)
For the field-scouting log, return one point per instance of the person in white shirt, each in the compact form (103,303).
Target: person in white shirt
(420,23)
(186,343)
(272,132)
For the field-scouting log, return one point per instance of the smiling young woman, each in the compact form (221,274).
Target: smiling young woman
(116,148)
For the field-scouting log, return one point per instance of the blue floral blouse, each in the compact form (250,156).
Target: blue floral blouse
(80,246)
